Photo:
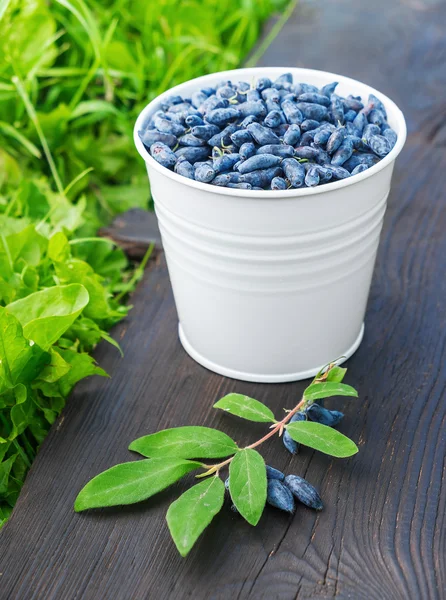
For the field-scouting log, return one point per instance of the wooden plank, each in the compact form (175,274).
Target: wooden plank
(382,534)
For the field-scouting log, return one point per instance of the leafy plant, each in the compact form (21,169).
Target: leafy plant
(74,74)
(251,483)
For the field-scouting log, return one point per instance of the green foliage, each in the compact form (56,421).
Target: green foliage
(167,451)
(189,516)
(186,442)
(322,438)
(132,482)
(246,408)
(74,74)
(247,484)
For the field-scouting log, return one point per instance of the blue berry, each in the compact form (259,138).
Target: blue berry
(337,172)
(263,177)
(194,120)
(240,137)
(151,136)
(262,135)
(222,116)
(304,491)
(273,119)
(294,172)
(314,98)
(352,103)
(165,124)
(225,162)
(292,135)
(282,150)
(349,116)
(170,101)
(337,109)
(375,102)
(246,150)
(279,496)
(335,140)
(312,177)
(163,155)
(193,154)
(309,124)
(343,153)
(289,443)
(223,138)
(390,136)
(379,144)
(198,98)
(314,154)
(273,473)
(359,169)
(243,185)
(292,112)
(259,161)
(254,108)
(278,183)
(324,416)
(329,89)
(263,83)
(309,110)
(190,140)
(205,132)
(204,172)
(184,168)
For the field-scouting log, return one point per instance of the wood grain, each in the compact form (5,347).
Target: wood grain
(382,533)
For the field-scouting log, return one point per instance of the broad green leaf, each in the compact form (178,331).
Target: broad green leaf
(336,374)
(132,482)
(189,516)
(46,315)
(58,247)
(247,484)
(5,470)
(246,408)
(95,106)
(328,389)
(186,442)
(78,271)
(322,438)
(20,361)
(22,411)
(56,368)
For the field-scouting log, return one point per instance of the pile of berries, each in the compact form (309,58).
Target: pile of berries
(271,135)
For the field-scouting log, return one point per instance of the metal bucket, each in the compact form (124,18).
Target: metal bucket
(270,286)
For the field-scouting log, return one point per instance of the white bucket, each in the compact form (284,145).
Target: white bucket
(271,285)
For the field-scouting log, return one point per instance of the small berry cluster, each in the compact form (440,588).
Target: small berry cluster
(268,135)
(283,490)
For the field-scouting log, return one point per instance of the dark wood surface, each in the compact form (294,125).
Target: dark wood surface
(382,534)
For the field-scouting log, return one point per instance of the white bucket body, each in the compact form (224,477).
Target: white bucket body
(270,286)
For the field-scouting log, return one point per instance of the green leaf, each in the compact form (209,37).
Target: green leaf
(78,271)
(186,442)
(21,412)
(20,361)
(322,438)
(189,516)
(56,369)
(58,247)
(247,484)
(132,482)
(328,389)
(95,106)
(336,374)
(246,408)
(46,315)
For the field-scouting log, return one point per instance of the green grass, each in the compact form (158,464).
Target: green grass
(74,74)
